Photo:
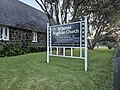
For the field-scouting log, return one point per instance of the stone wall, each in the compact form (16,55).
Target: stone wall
(24,38)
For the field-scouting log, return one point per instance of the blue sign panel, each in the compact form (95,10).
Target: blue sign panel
(66,35)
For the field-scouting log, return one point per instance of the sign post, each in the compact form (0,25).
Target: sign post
(72,35)
(86,49)
(47,42)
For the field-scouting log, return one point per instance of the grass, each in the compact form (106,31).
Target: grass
(31,72)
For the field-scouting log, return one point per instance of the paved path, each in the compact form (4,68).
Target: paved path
(116,70)
(116,74)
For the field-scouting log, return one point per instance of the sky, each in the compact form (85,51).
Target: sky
(31,3)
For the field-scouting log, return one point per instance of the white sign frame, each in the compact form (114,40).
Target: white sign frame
(49,46)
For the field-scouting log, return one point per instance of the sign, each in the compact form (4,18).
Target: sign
(66,35)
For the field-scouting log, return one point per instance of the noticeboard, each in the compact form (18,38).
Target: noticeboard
(66,35)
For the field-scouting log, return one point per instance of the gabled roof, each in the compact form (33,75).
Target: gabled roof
(17,14)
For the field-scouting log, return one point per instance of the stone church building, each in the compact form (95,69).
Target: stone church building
(22,24)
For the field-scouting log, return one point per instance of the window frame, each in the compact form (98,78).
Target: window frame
(34,39)
(4,33)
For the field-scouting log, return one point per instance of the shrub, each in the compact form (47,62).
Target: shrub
(15,49)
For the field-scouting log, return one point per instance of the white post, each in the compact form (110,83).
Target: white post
(57,51)
(80,39)
(71,52)
(50,42)
(86,50)
(63,51)
(47,42)
(50,50)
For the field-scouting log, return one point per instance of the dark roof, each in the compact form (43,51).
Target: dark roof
(17,14)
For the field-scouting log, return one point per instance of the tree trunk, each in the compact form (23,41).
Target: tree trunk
(92,44)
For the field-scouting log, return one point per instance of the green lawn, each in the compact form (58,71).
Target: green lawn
(31,72)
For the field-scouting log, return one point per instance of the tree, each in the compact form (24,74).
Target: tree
(101,14)
(62,11)
(56,10)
